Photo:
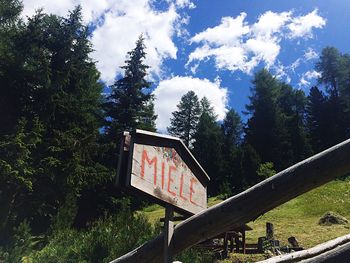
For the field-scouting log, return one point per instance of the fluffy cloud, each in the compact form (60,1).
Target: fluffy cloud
(236,45)
(91,9)
(118,24)
(302,26)
(310,54)
(122,25)
(307,77)
(229,31)
(169,92)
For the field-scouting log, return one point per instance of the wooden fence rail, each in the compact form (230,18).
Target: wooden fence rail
(250,204)
(332,249)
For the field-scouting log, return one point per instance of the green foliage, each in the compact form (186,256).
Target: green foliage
(49,82)
(17,174)
(335,76)
(232,129)
(250,162)
(104,241)
(276,127)
(196,255)
(130,103)
(207,146)
(19,246)
(265,170)
(184,121)
(317,125)
(56,168)
(264,128)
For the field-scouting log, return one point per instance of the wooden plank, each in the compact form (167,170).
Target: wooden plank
(161,173)
(333,248)
(339,254)
(176,218)
(168,234)
(237,210)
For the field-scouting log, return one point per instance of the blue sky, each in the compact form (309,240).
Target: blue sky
(211,47)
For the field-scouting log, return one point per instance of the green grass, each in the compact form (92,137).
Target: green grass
(299,217)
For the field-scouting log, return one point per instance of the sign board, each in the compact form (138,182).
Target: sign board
(162,167)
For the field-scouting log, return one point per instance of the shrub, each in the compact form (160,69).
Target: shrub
(19,246)
(104,241)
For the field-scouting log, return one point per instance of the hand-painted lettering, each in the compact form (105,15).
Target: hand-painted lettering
(192,181)
(181,187)
(163,172)
(150,162)
(170,179)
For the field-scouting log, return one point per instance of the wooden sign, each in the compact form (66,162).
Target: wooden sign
(162,167)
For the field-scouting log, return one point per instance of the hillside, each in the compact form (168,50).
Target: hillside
(298,218)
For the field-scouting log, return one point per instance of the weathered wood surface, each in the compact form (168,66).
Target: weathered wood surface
(337,248)
(168,231)
(250,204)
(339,254)
(161,173)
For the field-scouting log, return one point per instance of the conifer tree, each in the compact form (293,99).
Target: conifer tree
(51,79)
(232,129)
(183,123)
(207,146)
(130,104)
(265,130)
(316,124)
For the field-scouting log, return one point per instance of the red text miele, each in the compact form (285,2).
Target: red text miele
(168,178)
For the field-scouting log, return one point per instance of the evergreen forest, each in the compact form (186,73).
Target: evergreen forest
(59,137)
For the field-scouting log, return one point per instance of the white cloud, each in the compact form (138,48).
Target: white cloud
(123,25)
(119,24)
(169,92)
(307,77)
(302,26)
(310,54)
(269,24)
(185,3)
(229,31)
(91,9)
(236,45)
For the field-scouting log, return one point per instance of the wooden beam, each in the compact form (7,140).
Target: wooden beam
(168,234)
(335,249)
(250,204)
(339,254)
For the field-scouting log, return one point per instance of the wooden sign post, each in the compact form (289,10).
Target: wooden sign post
(162,169)
(168,233)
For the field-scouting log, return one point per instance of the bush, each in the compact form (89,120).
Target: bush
(195,255)
(19,246)
(105,240)
(265,170)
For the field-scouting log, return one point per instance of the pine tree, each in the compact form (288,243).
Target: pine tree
(232,129)
(184,121)
(17,174)
(130,104)
(265,130)
(335,73)
(207,146)
(52,79)
(316,123)
(292,105)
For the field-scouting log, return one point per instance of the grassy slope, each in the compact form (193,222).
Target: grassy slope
(298,218)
